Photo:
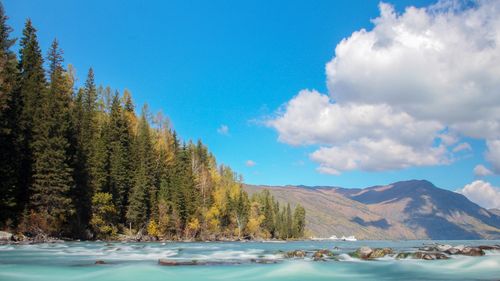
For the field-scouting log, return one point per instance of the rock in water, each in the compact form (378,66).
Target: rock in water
(295,254)
(381,252)
(489,247)
(430,256)
(99,262)
(322,254)
(472,251)
(363,253)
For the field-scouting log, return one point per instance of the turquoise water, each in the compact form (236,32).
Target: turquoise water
(139,262)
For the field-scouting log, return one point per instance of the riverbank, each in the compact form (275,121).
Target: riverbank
(21,239)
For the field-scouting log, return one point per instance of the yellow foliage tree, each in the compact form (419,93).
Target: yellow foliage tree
(153,229)
(192,227)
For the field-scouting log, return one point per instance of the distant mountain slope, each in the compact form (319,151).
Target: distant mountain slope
(403,210)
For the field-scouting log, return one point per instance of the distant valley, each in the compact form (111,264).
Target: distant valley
(414,209)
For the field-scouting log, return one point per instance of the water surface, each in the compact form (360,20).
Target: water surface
(139,262)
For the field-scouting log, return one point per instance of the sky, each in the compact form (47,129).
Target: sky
(330,93)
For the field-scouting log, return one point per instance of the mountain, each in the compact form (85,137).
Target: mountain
(414,209)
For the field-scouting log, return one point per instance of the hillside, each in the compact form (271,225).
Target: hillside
(402,210)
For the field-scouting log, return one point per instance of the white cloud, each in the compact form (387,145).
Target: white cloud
(250,163)
(482,171)
(493,154)
(462,146)
(482,193)
(375,155)
(312,118)
(367,137)
(223,130)
(403,93)
(435,64)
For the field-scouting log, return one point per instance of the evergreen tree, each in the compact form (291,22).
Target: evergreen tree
(140,197)
(288,221)
(268,212)
(81,193)
(9,105)
(299,221)
(119,156)
(84,120)
(30,90)
(52,173)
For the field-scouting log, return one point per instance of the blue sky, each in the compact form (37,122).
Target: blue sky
(235,63)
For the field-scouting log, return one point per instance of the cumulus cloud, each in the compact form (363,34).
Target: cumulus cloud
(482,171)
(250,163)
(405,92)
(482,193)
(435,64)
(375,155)
(223,130)
(312,118)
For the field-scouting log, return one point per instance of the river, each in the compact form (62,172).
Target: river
(139,262)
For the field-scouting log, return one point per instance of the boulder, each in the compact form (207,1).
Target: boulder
(489,247)
(5,236)
(472,251)
(430,256)
(99,262)
(381,252)
(363,253)
(322,254)
(295,254)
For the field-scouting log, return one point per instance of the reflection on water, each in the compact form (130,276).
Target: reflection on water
(138,261)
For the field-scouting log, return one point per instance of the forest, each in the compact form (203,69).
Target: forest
(78,162)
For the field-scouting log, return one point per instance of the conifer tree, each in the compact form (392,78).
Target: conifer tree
(143,183)
(52,173)
(30,88)
(299,221)
(9,105)
(84,112)
(119,156)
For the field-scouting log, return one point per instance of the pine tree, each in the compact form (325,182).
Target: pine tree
(30,90)
(299,221)
(119,156)
(268,212)
(288,221)
(141,196)
(9,106)
(81,193)
(84,122)
(52,172)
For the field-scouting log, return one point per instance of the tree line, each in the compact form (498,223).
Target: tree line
(79,162)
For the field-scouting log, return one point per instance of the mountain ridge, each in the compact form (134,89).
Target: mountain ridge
(413,209)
